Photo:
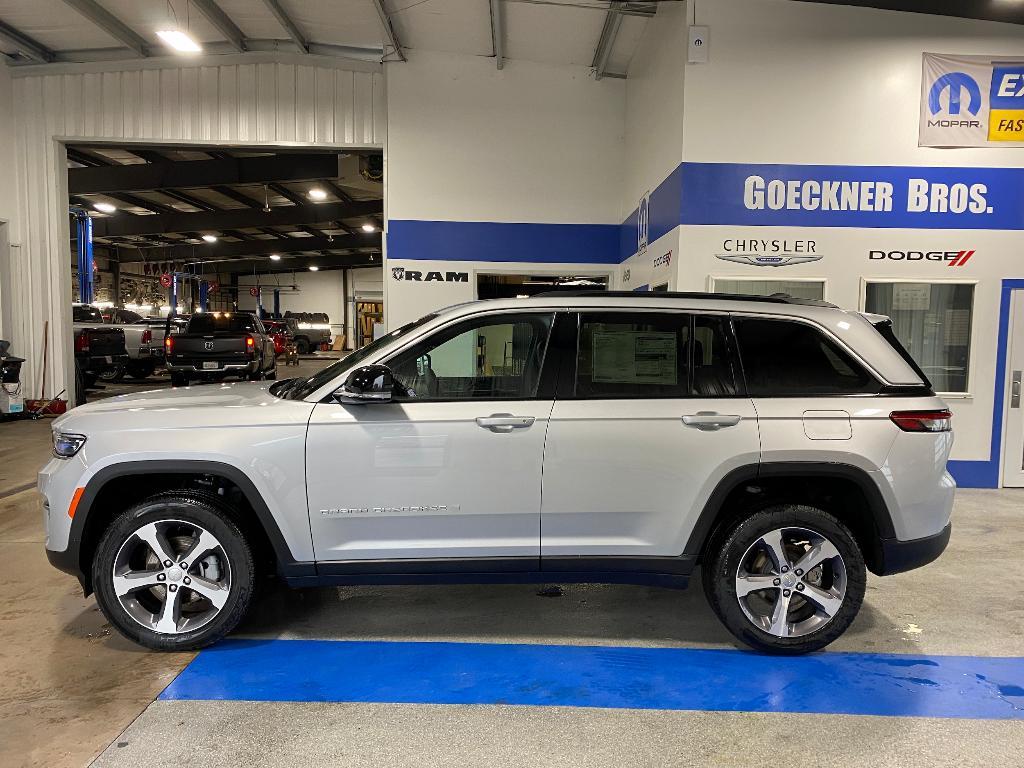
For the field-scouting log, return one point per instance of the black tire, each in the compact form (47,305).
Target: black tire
(257,375)
(113,373)
(90,380)
(302,345)
(729,548)
(179,380)
(199,509)
(272,373)
(141,370)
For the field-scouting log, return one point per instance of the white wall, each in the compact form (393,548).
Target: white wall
(8,204)
(256,99)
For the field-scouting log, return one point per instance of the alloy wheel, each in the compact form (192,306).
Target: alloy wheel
(172,576)
(791,582)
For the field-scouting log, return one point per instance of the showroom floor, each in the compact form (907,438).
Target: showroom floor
(452,675)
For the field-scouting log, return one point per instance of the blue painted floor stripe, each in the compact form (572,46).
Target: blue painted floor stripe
(599,676)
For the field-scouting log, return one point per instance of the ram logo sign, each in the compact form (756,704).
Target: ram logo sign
(419,276)
(971,101)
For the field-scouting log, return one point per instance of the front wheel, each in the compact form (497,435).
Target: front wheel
(302,345)
(173,573)
(789,579)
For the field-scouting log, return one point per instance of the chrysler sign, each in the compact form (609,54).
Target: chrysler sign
(760,252)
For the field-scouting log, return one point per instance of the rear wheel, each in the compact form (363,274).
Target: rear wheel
(789,579)
(141,370)
(302,345)
(113,373)
(179,380)
(173,573)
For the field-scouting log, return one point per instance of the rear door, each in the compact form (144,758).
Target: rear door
(649,417)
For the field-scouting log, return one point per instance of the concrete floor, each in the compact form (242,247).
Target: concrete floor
(69,687)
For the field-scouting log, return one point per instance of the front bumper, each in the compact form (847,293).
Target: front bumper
(899,556)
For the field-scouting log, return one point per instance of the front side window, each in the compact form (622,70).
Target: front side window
(783,358)
(933,321)
(495,357)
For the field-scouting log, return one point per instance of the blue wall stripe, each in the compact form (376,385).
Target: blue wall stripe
(612,677)
(503,241)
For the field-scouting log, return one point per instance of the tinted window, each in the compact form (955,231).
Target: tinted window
(782,357)
(634,355)
(215,322)
(86,315)
(713,372)
(486,358)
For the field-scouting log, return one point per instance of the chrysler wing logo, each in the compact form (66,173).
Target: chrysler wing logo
(209,346)
(956,83)
(398,272)
(768,260)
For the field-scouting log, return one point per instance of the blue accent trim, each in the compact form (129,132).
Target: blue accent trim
(663,214)
(500,241)
(611,677)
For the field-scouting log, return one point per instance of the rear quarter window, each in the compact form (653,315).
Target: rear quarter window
(786,358)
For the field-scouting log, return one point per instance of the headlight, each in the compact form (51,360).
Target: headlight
(66,445)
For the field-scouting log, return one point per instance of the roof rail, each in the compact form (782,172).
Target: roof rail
(775,298)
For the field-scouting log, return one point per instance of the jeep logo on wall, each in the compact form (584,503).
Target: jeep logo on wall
(416,276)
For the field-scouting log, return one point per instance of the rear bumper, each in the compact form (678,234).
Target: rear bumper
(192,369)
(98,363)
(899,556)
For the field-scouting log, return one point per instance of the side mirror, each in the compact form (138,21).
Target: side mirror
(367,384)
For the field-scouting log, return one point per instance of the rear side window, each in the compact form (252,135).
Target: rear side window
(784,358)
(86,315)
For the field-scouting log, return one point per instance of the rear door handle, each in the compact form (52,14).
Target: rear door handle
(504,422)
(709,421)
(1015,390)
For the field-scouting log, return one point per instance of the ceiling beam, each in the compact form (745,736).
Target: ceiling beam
(216,16)
(610,30)
(239,218)
(498,33)
(225,250)
(389,30)
(110,24)
(25,45)
(289,26)
(263,265)
(202,173)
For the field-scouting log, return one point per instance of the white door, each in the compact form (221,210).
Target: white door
(643,438)
(1013,434)
(452,467)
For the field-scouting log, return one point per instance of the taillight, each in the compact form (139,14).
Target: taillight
(82,343)
(250,344)
(922,421)
(147,336)
(168,344)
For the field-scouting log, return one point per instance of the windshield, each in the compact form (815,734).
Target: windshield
(297,389)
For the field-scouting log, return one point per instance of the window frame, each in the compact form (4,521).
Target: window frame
(971,357)
(548,364)
(567,378)
(713,280)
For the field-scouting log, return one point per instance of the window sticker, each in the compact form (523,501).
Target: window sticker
(635,357)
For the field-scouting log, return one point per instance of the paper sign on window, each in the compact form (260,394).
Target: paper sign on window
(634,357)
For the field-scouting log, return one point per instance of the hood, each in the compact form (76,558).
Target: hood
(180,407)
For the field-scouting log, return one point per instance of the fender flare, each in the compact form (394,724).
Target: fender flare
(751,473)
(286,563)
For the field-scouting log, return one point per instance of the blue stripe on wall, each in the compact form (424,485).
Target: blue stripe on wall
(502,241)
(612,677)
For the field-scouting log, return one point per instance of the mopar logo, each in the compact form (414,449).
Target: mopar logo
(954,258)
(416,276)
(956,83)
(643,220)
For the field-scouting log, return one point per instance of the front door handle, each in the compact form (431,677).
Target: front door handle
(504,422)
(709,421)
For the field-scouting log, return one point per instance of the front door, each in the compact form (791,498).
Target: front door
(1013,437)
(650,420)
(451,468)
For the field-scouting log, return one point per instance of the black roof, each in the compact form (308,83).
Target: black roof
(775,298)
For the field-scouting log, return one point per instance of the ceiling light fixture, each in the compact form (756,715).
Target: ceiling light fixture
(314,268)
(318,194)
(104,207)
(369,228)
(179,40)
(275,257)
(210,238)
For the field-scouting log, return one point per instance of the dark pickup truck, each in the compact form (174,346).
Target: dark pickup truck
(98,347)
(218,344)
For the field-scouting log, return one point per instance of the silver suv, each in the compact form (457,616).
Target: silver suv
(783,447)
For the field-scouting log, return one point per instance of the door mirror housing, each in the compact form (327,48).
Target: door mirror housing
(366,384)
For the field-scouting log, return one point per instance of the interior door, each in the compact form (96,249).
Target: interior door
(451,468)
(653,419)
(1013,437)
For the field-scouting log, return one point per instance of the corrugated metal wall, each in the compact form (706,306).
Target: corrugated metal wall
(265,102)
